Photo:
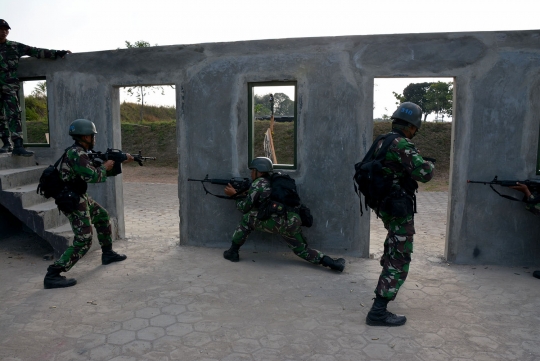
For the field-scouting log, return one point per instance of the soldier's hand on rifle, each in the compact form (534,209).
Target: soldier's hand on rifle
(522,188)
(109,165)
(129,158)
(229,190)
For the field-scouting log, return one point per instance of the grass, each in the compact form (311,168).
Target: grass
(283,137)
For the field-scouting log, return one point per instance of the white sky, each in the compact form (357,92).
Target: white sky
(94,25)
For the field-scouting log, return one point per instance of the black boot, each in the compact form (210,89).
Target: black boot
(232,253)
(18,149)
(337,264)
(54,280)
(110,256)
(379,316)
(7,145)
(536,274)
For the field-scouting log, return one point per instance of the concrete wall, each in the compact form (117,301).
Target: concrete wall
(496,126)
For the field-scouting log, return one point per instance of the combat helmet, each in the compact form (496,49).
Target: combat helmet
(82,127)
(410,113)
(262,164)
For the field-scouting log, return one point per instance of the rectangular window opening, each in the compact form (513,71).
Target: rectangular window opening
(34,112)
(273,122)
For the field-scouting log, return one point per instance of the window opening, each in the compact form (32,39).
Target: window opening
(34,112)
(273,123)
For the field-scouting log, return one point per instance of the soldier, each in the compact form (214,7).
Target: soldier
(405,165)
(532,205)
(10,110)
(77,169)
(287,225)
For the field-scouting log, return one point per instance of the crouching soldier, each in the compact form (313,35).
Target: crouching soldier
(77,169)
(287,224)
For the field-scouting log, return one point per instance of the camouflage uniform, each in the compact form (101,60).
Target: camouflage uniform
(10,111)
(287,225)
(77,164)
(403,162)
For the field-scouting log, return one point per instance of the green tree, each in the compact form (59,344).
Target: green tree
(40,91)
(140,91)
(431,97)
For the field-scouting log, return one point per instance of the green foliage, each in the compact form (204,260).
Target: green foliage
(283,105)
(283,138)
(431,97)
(129,113)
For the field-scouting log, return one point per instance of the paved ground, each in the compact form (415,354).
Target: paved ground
(182,303)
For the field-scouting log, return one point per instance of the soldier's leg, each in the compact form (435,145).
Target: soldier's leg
(101,220)
(289,228)
(80,224)
(13,115)
(4,130)
(240,235)
(395,261)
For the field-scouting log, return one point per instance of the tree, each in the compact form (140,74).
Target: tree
(431,97)
(40,91)
(140,91)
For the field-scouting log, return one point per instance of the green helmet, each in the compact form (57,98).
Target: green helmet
(82,127)
(262,164)
(409,112)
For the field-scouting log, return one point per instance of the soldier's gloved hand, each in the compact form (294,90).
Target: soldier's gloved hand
(62,53)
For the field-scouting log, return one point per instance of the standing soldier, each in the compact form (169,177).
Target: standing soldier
(77,170)
(405,166)
(10,110)
(287,225)
(532,205)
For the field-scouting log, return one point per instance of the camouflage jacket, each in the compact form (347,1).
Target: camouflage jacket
(403,162)
(533,207)
(10,53)
(76,163)
(258,192)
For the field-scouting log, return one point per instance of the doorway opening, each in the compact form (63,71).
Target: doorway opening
(34,112)
(148,122)
(436,98)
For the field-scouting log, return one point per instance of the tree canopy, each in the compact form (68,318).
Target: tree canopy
(283,105)
(436,97)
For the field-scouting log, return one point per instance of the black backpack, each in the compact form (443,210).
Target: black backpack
(369,179)
(284,197)
(50,182)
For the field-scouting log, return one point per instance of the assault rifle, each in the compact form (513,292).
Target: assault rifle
(118,157)
(239,184)
(531,184)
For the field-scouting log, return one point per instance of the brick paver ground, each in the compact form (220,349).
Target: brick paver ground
(167,302)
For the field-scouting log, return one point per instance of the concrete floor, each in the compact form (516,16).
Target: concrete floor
(182,303)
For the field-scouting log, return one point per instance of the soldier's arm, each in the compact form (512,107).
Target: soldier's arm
(81,165)
(40,53)
(256,193)
(417,167)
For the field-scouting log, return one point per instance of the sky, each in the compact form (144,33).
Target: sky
(95,25)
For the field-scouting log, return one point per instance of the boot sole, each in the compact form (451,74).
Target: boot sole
(70,284)
(382,323)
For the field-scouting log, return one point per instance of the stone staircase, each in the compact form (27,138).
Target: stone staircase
(19,177)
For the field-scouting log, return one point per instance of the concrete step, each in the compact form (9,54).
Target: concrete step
(7,161)
(61,237)
(26,194)
(13,178)
(48,213)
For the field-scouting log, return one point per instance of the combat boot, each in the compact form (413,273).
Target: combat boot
(379,316)
(232,253)
(18,148)
(54,280)
(536,274)
(7,145)
(337,264)
(110,256)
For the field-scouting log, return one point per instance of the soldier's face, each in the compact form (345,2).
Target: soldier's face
(4,31)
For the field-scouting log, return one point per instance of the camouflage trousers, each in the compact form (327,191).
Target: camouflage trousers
(396,258)
(10,114)
(88,212)
(287,226)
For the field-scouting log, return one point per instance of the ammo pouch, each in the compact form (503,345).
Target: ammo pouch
(398,204)
(67,200)
(271,207)
(305,215)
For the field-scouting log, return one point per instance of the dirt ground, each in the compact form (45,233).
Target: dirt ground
(149,174)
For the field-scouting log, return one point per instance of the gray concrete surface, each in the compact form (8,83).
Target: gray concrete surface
(495,124)
(167,302)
